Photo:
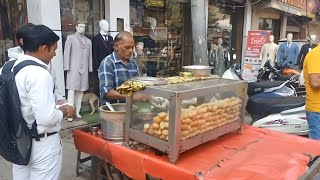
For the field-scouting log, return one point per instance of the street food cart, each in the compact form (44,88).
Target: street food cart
(217,108)
(199,134)
(256,154)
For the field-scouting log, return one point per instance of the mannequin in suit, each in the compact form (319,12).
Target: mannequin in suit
(153,27)
(101,44)
(288,53)
(269,52)
(219,65)
(305,49)
(141,59)
(77,63)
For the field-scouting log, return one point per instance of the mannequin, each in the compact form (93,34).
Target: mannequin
(101,44)
(101,48)
(22,14)
(288,53)
(219,65)
(153,26)
(305,49)
(212,55)
(141,58)
(77,63)
(269,52)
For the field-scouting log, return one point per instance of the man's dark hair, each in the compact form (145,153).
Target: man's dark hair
(22,31)
(37,36)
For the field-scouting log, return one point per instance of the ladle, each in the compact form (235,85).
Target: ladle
(110,107)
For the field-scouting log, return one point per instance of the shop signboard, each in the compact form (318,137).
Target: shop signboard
(256,39)
(308,7)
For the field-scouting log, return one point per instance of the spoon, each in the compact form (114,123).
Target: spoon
(110,106)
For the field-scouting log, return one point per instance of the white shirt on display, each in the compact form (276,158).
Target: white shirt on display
(35,86)
(105,36)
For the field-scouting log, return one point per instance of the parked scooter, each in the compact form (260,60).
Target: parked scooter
(284,114)
(272,107)
(280,111)
(234,72)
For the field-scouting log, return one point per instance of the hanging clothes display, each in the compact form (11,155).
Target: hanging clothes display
(6,30)
(220,67)
(212,57)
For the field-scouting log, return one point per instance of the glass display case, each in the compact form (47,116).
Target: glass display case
(179,117)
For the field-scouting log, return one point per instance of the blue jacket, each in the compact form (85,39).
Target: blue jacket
(287,56)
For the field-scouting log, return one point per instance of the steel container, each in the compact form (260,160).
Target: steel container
(113,122)
(199,70)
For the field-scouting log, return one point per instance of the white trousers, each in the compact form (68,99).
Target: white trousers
(75,99)
(45,161)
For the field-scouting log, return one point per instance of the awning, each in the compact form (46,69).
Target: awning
(277,4)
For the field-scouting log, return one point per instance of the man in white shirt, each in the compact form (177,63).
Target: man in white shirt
(35,86)
(15,52)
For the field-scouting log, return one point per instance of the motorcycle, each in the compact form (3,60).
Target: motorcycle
(270,73)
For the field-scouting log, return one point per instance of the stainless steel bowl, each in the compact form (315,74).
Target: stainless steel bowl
(199,70)
(150,81)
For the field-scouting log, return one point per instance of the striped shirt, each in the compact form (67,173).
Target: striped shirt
(112,73)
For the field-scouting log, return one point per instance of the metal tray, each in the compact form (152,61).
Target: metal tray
(150,81)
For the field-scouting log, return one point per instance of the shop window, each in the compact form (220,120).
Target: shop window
(89,12)
(13,14)
(271,25)
(265,24)
(156,26)
(219,34)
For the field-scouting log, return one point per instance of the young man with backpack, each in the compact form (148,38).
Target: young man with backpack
(35,86)
(15,52)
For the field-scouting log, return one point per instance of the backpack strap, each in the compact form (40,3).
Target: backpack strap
(25,63)
(8,67)
(16,69)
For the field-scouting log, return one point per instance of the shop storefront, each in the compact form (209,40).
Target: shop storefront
(89,12)
(13,14)
(164,29)
(282,17)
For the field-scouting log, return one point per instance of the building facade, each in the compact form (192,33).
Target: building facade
(283,17)
(164,26)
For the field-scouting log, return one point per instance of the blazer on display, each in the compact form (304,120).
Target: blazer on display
(77,62)
(100,49)
(303,52)
(288,54)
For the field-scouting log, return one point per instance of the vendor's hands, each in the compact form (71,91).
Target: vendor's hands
(68,110)
(140,97)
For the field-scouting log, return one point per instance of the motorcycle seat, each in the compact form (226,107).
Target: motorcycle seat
(272,105)
(258,87)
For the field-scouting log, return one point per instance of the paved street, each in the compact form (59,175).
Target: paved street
(69,158)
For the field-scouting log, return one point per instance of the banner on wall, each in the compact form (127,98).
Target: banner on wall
(256,39)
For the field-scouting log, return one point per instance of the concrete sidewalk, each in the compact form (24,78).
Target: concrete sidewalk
(69,155)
